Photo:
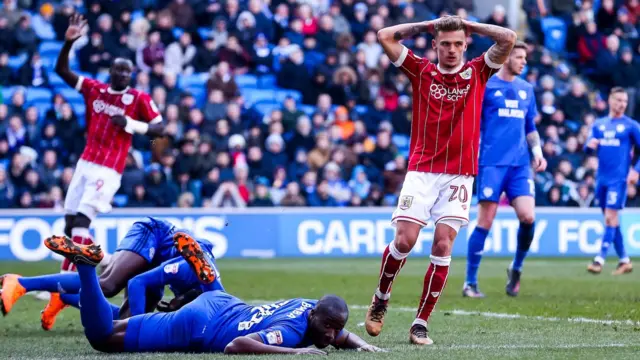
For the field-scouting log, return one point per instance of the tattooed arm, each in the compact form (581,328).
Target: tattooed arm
(390,37)
(539,162)
(504,39)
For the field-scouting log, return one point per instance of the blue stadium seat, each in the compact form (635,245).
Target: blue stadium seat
(71,95)
(362,109)
(204,32)
(146,157)
(55,80)
(401,142)
(138,14)
(198,79)
(38,95)
(246,80)
(7,93)
(266,81)
(555,34)
(307,109)
(42,107)
(266,107)
(15,62)
(252,96)
(103,77)
(177,32)
(280,95)
(50,48)
(120,200)
(199,93)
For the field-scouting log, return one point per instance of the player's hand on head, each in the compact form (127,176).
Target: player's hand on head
(310,351)
(76,26)
(119,120)
(371,348)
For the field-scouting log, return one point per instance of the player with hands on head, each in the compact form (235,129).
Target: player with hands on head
(445,131)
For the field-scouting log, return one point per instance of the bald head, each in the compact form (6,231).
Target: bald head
(333,306)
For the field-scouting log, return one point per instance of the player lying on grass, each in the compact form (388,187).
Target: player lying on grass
(145,260)
(214,322)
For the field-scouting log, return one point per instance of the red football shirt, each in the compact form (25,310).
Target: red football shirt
(445,129)
(108,144)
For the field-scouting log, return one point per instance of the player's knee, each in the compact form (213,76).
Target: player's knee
(109,288)
(405,239)
(611,218)
(441,248)
(527,218)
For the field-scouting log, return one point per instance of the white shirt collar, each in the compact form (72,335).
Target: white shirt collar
(452,71)
(113,92)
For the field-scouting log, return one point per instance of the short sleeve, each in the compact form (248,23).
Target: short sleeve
(409,63)
(282,335)
(484,67)
(147,110)
(85,85)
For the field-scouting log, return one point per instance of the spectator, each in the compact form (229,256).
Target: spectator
(152,52)
(261,196)
(33,72)
(178,56)
(321,196)
(292,196)
(221,78)
(205,57)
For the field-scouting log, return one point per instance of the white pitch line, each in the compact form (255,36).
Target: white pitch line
(532,346)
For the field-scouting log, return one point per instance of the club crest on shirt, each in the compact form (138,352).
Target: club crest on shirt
(127,99)
(433,73)
(523,94)
(405,202)
(466,74)
(275,337)
(172,268)
(620,128)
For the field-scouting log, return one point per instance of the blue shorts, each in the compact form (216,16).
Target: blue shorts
(612,196)
(514,180)
(185,330)
(150,239)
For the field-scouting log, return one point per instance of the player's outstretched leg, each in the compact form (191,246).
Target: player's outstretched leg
(624,263)
(14,286)
(191,251)
(474,256)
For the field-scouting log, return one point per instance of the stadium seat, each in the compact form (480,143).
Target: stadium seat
(55,80)
(15,62)
(204,32)
(280,95)
(265,108)
(120,200)
(71,95)
(7,93)
(246,80)
(199,93)
(307,109)
(252,96)
(401,142)
(198,79)
(555,34)
(103,77)
(177,32)
(50,49)
(38,95)
(266,81)
(362,109)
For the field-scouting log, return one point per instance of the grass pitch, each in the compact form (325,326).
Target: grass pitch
(562,311)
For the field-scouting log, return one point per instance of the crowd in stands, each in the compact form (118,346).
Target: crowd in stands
(286,103)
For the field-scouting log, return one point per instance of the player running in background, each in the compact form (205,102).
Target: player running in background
(114,112)
(445,131)
(508,124)
(612,139)
(213,322)
(152,240)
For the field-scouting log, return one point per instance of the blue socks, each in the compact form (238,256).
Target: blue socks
(74,300)
(525,238)
(608,238)
(68,282)
(618,245)
(95,311)
(474,254)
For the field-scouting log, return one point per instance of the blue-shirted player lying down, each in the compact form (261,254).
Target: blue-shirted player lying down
(152,239)
(214,322)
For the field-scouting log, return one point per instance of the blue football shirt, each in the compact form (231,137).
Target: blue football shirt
(616,138)
(508,115)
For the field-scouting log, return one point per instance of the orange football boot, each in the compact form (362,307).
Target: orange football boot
(77,253)
(53,308)
(195,257)
(11,292)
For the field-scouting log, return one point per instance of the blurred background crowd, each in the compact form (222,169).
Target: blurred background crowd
(286,103)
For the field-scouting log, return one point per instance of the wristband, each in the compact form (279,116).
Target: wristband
(537,151)
(135,126)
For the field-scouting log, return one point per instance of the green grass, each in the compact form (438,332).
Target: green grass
(553,292)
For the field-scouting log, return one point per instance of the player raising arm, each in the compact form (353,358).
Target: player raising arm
(114,112)
(443,152)
(213,322)
(508,124)
(611,140)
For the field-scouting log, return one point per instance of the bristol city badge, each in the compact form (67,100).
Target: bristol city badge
(405,202)
(127,99)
